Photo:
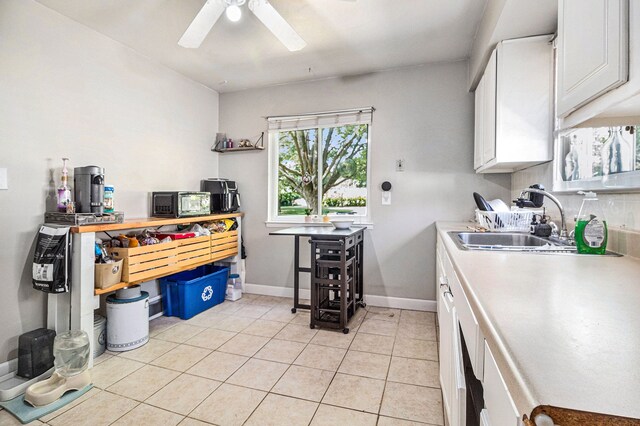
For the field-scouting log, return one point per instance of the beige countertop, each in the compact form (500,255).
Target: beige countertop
(565,330)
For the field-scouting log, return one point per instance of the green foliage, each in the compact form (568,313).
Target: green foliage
(344,158)
(345,202)
(286,199)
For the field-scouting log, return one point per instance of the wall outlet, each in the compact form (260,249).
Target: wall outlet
(400,165)
(4,180)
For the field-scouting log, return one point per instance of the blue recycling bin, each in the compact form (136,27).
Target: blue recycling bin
(188,293)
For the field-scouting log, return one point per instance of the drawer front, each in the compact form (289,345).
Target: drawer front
(499,405)
(349,242)
(467,319)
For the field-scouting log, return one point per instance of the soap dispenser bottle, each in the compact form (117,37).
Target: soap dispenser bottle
(64,190)
(591,227)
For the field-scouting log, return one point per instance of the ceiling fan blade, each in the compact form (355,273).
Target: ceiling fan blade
(277,25)
(202,24)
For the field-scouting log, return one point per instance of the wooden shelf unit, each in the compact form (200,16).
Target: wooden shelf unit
(122,284)
(188,253)
(148,222)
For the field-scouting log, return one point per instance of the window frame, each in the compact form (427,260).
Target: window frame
(273,218)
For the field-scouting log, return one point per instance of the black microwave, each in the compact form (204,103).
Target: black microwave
(180,204)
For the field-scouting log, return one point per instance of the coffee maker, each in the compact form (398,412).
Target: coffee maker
(89,189)
(224,194)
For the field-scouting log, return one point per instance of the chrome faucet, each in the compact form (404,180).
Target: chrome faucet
(522,202)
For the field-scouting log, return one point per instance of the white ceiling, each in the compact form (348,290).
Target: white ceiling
(343,37)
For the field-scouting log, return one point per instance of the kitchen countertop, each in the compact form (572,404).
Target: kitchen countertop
(564,330)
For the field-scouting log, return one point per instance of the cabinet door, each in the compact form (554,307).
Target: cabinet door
(497,400)
(489,110)
(459,388)
(445,321)
(593,50)
(478,125)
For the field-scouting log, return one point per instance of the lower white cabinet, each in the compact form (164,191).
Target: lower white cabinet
(452,382)
(453,311)
(445,322)
(500,409)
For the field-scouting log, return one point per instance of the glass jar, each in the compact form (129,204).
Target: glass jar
(235,281)
(109,192)
(71,352)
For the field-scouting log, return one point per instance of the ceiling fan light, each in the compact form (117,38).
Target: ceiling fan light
(233,12)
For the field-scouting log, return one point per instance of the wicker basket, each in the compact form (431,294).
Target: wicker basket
(518,221)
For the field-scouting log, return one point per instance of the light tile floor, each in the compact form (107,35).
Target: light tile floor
(253,362)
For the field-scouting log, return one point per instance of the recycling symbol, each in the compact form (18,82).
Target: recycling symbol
(207,293)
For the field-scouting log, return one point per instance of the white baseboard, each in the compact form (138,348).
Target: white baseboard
(401,303)
(372,300)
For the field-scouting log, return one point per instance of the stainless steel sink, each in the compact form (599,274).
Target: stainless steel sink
(512,241)
(501,239)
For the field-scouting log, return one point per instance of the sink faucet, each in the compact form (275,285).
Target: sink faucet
(522,202)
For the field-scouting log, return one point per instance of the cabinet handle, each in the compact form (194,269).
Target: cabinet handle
(448,292)
(443,281)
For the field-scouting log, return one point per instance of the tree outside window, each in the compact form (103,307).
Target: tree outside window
(323,170)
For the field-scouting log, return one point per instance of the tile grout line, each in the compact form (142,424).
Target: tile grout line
(270,339)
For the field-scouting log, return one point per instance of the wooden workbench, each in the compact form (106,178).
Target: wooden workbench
(75,310)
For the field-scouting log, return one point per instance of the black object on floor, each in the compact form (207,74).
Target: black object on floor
(35,352)
(336,280)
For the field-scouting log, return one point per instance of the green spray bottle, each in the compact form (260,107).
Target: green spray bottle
(591,226)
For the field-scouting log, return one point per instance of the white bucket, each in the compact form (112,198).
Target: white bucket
(128,322)
(99,335)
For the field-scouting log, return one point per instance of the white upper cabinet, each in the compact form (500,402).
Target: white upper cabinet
(598,63)
(489,110)
(593,47)
(514,107)
(478,125)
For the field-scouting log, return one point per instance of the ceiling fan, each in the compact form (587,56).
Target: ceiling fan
(213,9)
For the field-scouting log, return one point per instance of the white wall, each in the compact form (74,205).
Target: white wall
(424,115)
(67,91)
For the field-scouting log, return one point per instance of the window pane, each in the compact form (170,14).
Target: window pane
(344,174)
(297,172)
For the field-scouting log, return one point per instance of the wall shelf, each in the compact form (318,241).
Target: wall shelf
(244,148)
(258,145)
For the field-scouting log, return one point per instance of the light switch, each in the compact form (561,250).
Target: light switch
(4,182)
(386,198)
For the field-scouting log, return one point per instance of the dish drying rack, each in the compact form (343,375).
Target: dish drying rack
(514,221)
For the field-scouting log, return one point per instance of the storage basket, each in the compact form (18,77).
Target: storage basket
(223,245)
(188,293)
(147,262)
(518,221)
(107,274)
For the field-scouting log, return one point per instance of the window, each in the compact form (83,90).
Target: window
(319,165)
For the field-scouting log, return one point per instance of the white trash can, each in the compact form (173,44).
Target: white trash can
(128,319)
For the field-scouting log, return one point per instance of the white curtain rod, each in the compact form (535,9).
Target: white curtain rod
(319,114)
